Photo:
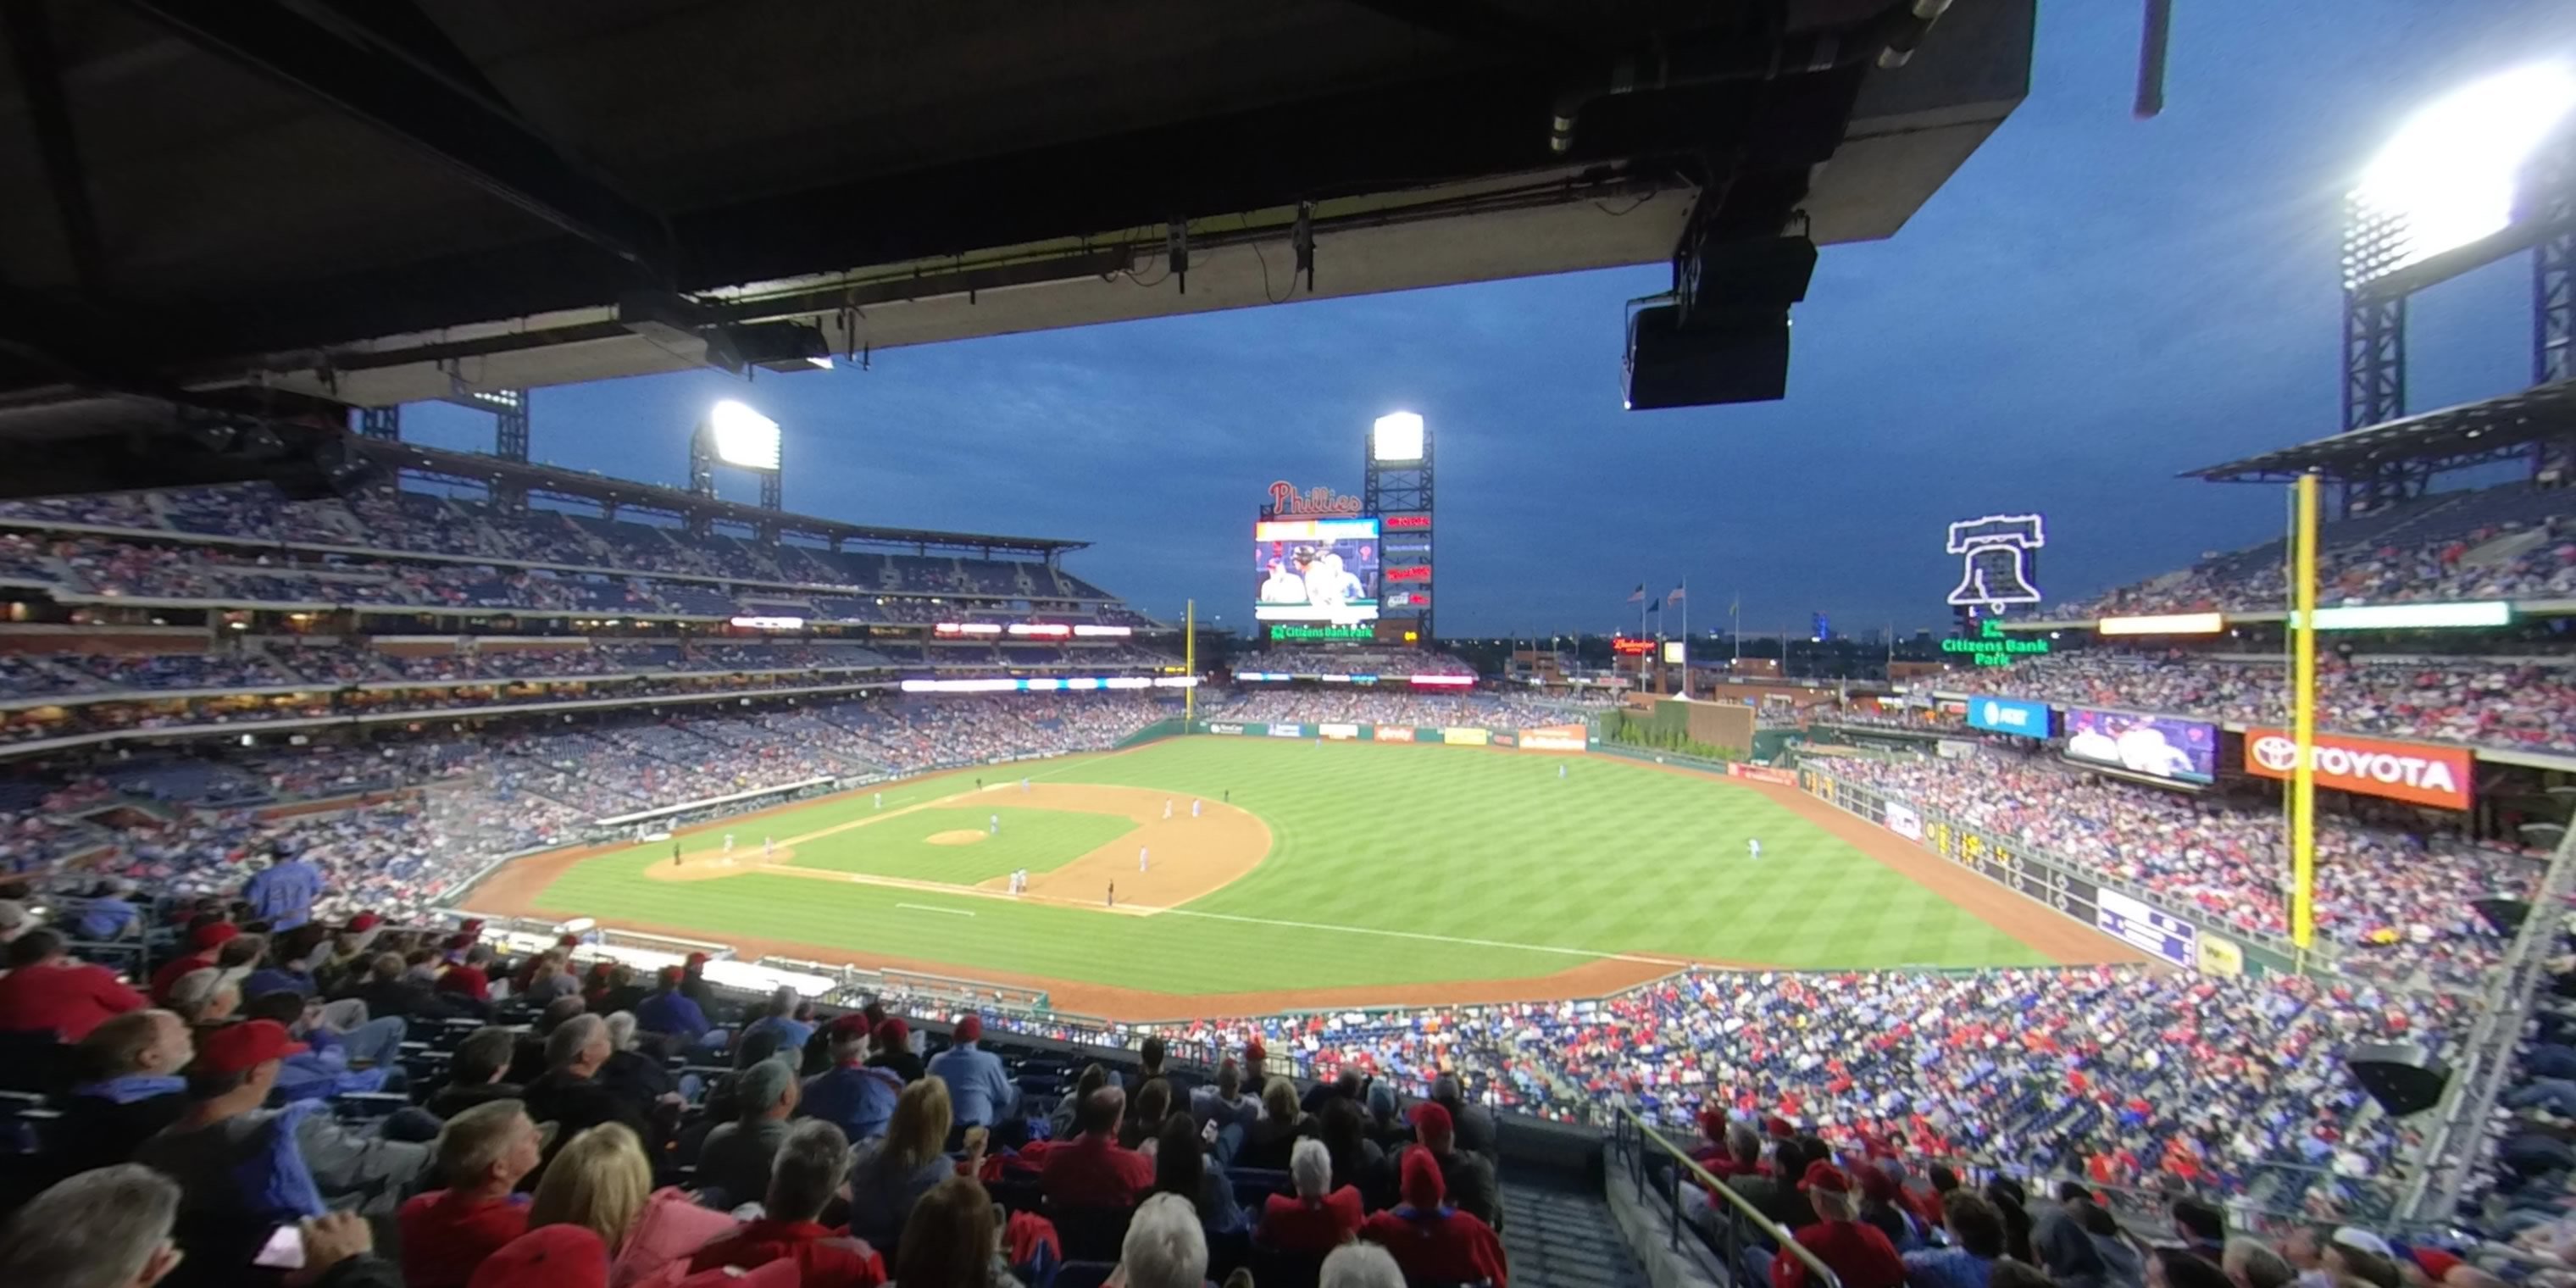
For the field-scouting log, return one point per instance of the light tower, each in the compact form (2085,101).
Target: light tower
(735,435)
(1398,495)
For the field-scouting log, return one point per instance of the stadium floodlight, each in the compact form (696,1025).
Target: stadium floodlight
(1397,436)
(743,437)
(2448,177)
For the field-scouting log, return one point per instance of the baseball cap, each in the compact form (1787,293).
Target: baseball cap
(1253,1050)
(240,1048)
(1775,1125)
(2437,1264)
(364,921)
(970,1028)
(697,959)
(894,1032)
(2361,1240)
(1433,1121)
(550,1256)
(213,935)
(849,1024)
(1420,1174)
(1822,1175)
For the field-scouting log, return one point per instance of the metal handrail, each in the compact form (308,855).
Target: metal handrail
(1742,1210)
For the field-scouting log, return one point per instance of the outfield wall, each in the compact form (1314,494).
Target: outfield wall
(2132,914)
(1563,738)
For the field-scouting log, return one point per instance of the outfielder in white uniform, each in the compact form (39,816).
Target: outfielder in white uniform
(993,825)
(1754,845)
(1560,773)
(1141,852)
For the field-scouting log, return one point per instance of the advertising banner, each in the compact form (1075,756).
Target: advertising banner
(1504,738)
(2221,956)
(1287,731)
(1760,773)
(2162,933)
(1395,733)
(1553,738)
(1954,749)
(1902,820)
(1225,728)
(1338,731)
(2009,715)
(1465,737)
(2403,771)
(2182,751)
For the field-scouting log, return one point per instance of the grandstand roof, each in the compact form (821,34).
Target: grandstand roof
(477,468)
(370,202)
(2475,433)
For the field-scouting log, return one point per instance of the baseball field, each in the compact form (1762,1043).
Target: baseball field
(1212,875)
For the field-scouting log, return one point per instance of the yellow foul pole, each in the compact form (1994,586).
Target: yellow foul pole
(2303,715)
(1190,662)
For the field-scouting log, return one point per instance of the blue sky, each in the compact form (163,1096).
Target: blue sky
(2090,305)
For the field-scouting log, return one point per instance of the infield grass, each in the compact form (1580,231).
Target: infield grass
(1390,864)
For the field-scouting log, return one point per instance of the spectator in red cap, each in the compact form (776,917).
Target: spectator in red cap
(471,977)
(1311,1220)
(204,941)
(693,981)
(1432,1241)
(1882,1207)
(554,1256)
(670,1012)
(234,1185)
(894,1052)
(807,1175)
(851,1095)
(1466,1179)
(1256,1062)
(46,990)
(483,1153)
(1857,1254)
(1093,1169)
(980,1091)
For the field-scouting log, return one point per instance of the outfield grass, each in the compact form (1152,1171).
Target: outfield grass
(1036,839)
(1390,864)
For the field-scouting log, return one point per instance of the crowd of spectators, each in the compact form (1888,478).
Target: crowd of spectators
(1380,662)
(2513,542)
(1337,704)
(2382,890)
(2527,703)
(384,520)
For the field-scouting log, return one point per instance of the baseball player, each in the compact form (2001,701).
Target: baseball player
(1560,773)
(1113,895)
(1024,787)
(768,848)
(1141,852)
(880,800)
(1195,806)
(1167,808)
(675,854)
(728,843)
(1753,845)
(993,825)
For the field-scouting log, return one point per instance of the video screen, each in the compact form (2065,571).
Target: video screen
(1315,570)
(2184,751)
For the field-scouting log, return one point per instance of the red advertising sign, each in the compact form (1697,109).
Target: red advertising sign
(1419,573)
(1761,773)
(2404,771)
(1401,522)
(1395,733)
(1287,502)
(1626,647)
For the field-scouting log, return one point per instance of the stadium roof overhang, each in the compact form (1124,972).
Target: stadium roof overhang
(600,490)
(233,200)
(2478,433)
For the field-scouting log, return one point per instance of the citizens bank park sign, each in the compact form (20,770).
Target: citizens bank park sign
(2405,771)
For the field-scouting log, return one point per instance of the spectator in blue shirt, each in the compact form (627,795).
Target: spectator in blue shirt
(290,965)
(283,893)
(667,1010)
(860,1099)
(775,1031)
(979,1092)
(108,914)
(1977,1238)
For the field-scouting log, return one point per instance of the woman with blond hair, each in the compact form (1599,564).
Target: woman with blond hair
(892,1173)
(1281,1126)
(602,1182)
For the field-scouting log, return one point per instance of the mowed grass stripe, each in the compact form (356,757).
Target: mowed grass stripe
(1449,843)
(1036,839)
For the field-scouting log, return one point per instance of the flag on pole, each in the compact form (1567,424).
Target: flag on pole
(1655,607)
(1638,596)
(1678,592)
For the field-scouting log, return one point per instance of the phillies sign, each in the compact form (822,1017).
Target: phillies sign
(2406,771)
(1286,501)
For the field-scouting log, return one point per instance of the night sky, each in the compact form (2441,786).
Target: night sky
(2090,305)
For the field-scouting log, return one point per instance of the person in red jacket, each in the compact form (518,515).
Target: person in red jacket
(1093,1169)
(1431,1241)
(203,943)
(46,990)
(804,1178)
(1311,1220)
(1857,1254)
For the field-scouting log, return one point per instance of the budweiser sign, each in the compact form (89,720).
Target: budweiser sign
(2406,771)
(1287,502)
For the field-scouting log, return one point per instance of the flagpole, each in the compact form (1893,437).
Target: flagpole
(1685,639)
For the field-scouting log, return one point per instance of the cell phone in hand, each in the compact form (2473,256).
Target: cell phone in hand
(283,1251)
(1207,1132)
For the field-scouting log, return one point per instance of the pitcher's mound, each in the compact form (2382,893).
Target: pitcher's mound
(961,837)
